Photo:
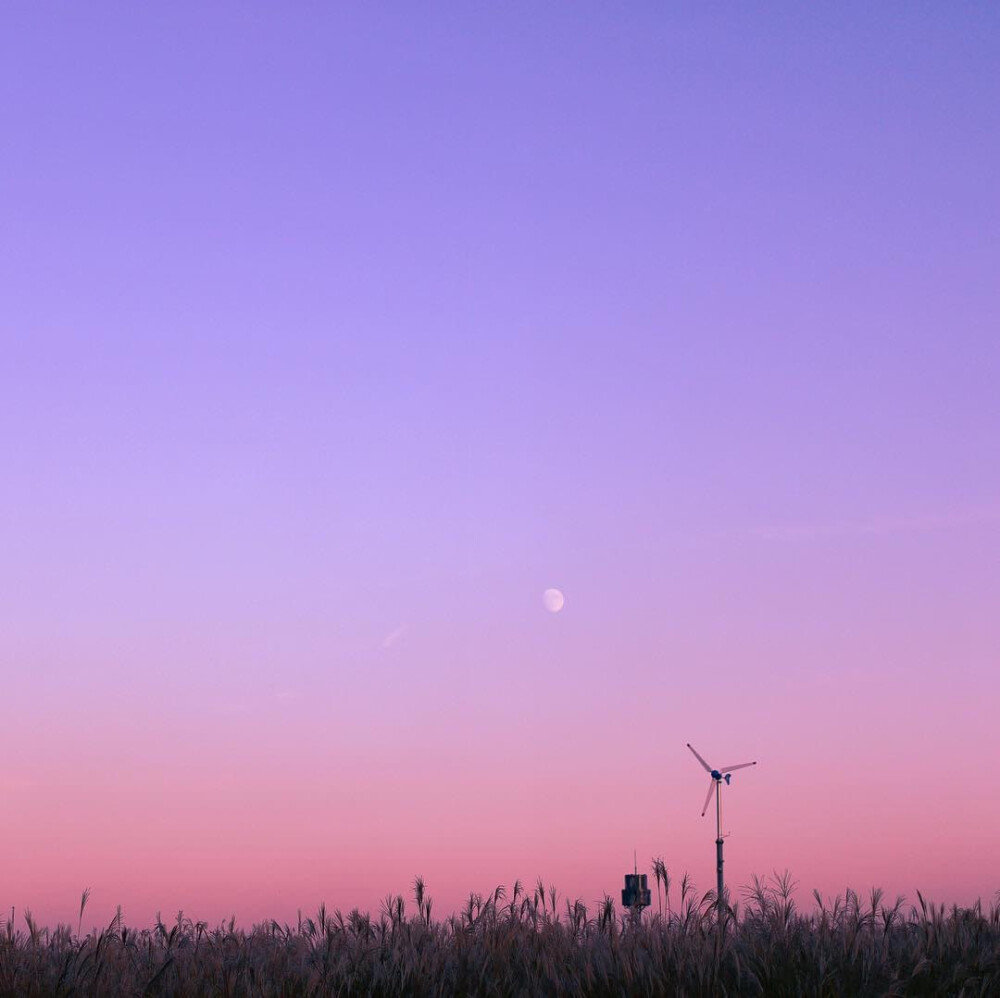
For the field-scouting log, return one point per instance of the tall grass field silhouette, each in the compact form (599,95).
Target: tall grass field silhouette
(533,942)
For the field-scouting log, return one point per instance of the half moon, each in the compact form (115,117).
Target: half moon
(553,600)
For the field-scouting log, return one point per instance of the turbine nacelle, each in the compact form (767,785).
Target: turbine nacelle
(717,776)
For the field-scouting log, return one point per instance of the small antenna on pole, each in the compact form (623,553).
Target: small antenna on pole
(636,894)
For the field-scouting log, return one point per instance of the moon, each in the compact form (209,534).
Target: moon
(553,600)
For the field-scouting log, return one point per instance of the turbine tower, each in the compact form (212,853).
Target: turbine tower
(717,776)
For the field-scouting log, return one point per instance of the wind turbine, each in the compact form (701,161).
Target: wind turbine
(718,775)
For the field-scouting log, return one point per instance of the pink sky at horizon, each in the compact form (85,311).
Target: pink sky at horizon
(331,339)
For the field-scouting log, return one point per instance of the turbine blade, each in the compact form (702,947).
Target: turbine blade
(732,769)
(708,768)
(708,799)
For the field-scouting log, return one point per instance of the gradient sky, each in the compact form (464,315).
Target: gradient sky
(332,335)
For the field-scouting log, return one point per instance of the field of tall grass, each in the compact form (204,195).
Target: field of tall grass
(521,942)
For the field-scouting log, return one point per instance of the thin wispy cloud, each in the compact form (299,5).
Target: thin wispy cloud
(235,707)
(393,636)
(879,526)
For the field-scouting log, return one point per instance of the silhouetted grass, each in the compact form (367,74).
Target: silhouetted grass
(521,943)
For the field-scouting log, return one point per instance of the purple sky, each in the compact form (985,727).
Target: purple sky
(332,337)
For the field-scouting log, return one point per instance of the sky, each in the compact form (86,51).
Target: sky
(331,336)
